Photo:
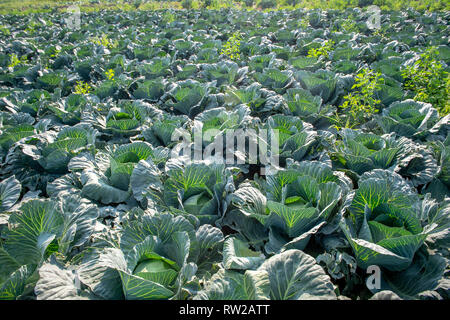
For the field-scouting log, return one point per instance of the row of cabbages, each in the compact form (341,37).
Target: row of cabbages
(94,206)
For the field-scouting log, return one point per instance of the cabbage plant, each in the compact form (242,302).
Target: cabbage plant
(284,276)
(39,158)
(158,257)
(273,78)
(303,104)
(294,205)
(197,188)
(224,72)
(409,118)
(38,229)
(296,138)
(320,83)
(105,177)
(387,225)
(383,225)
(360,152)
(187,97)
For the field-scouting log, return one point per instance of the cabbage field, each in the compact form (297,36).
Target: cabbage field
(106,191)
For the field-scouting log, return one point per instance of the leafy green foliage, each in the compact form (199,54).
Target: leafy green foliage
(105,41)
(304,23)
(109,74)
(232,47)
(82,88)
(323,51)
(429,80)
(349,24)
(107,192)
(361,152)
(16,61)
(168,17)
(409,118)
(4,30)
(361,105)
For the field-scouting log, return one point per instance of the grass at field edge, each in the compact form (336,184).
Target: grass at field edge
(32,6)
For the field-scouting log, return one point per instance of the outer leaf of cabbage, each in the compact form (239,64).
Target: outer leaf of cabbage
(230,285)
(294,275)
(37,224)
(237,256)
(57,283)
(9,193)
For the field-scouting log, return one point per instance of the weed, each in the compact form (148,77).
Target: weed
(349,25)
(82,88)
(323,51)
(110,74)
(428,79)
(105,41)
(232,47)
(360,105)
(168,17)
(16,61)
(4,30)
